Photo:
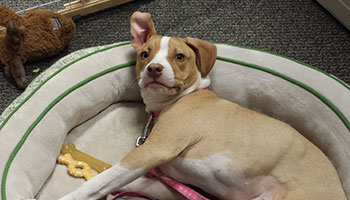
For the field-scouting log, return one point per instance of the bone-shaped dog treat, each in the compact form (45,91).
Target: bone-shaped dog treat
(72,165)
(94,163)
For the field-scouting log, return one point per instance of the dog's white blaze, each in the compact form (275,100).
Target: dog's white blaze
(161,58)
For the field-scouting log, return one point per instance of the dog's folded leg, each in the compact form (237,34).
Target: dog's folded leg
(134,165)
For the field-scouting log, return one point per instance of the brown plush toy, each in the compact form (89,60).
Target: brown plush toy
(36,35)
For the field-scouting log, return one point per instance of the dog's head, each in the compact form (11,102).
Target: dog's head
(168,67)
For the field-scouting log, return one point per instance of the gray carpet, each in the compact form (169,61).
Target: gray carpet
(299,29)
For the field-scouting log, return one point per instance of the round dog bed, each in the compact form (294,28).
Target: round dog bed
(90,98)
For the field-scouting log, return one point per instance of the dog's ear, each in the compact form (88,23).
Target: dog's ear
(205,54)
(141,29)
(13,34)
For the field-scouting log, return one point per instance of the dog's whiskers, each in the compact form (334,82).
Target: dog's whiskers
(136,79)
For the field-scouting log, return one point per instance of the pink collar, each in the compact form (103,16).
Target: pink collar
(156,113)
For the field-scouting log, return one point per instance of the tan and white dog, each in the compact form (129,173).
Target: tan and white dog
(228,151)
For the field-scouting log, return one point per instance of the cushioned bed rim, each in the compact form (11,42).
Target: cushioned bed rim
(54,74)
(287,78)
(23,139)
(291,59)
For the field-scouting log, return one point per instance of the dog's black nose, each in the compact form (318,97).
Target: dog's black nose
(154,70)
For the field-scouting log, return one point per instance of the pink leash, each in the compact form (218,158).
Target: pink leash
(179,187)
(132,194)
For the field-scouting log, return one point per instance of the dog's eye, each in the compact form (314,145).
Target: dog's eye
(180,56)
(144,54)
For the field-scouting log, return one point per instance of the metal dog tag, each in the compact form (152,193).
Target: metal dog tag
(146,130)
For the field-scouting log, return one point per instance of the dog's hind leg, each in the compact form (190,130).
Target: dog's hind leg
(269,188)
(259,188)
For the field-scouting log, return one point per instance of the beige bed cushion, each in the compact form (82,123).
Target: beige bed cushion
(90,98)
